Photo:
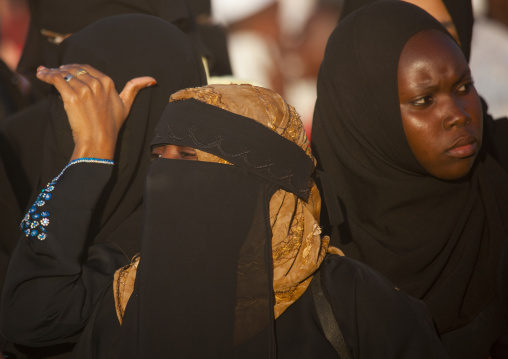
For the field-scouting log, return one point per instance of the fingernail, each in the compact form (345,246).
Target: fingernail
(151,83)
(40,68)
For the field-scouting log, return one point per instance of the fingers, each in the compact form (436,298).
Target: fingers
(56,78)
(76,68)
(87,79)
(132,88)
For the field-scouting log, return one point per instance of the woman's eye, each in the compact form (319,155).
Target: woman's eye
(187,154)
(54,40)
(155,155)
(422,101)
(465,88)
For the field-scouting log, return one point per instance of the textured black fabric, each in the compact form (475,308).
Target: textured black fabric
(437,240)
(236,139)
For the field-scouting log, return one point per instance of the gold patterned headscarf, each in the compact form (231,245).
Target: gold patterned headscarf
(297,246)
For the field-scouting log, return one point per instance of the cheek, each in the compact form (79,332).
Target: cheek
(423,138)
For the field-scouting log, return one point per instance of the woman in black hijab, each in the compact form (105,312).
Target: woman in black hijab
(436,237)
(54,20)
(457,17)
(79,231)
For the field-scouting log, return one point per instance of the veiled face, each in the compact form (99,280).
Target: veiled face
(440,109)
(174,152)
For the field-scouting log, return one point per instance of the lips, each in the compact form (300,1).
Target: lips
(463,147)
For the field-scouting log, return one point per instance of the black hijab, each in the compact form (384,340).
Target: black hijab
(70,16)
(460,11)
(204,284)
(437,240)
(117,47)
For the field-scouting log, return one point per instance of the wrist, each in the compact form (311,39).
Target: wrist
(94,149)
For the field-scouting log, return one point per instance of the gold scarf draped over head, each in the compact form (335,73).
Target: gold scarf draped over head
(297,246)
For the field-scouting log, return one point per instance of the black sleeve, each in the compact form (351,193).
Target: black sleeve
(54,276)
(375,318)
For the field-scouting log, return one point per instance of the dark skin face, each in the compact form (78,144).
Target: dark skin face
(174,152)
(440,108)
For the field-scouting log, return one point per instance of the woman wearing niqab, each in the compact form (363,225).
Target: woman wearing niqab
(232,245)
(437,240)
(80,230)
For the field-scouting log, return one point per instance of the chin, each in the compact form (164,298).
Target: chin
(457,171)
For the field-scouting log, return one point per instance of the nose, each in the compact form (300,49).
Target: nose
(455,114)
(171,152)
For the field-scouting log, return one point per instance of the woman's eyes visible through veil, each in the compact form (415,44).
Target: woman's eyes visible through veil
(174,152)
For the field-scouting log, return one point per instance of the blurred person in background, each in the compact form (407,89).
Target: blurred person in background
(14,90)
(253,40)
(304,54)
(489,54)
(214,38)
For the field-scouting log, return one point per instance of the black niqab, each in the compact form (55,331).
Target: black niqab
(70,16)
(437,240)
(188,283)
(204,284)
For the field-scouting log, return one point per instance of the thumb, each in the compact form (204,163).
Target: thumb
(132,88)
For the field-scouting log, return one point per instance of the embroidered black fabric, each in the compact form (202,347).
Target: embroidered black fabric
(237,139)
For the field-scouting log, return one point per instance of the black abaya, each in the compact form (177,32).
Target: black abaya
(437,240)
(92,225)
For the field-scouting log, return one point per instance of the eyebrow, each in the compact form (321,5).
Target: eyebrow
(465,75)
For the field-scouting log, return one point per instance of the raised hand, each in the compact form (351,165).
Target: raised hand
(95,110)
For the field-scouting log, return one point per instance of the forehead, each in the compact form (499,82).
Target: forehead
(431,48)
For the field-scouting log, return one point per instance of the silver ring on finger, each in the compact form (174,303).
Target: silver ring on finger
(68,77)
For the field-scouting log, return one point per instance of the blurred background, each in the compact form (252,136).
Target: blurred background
(279,44)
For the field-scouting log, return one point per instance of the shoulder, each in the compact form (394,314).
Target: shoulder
(373,313)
